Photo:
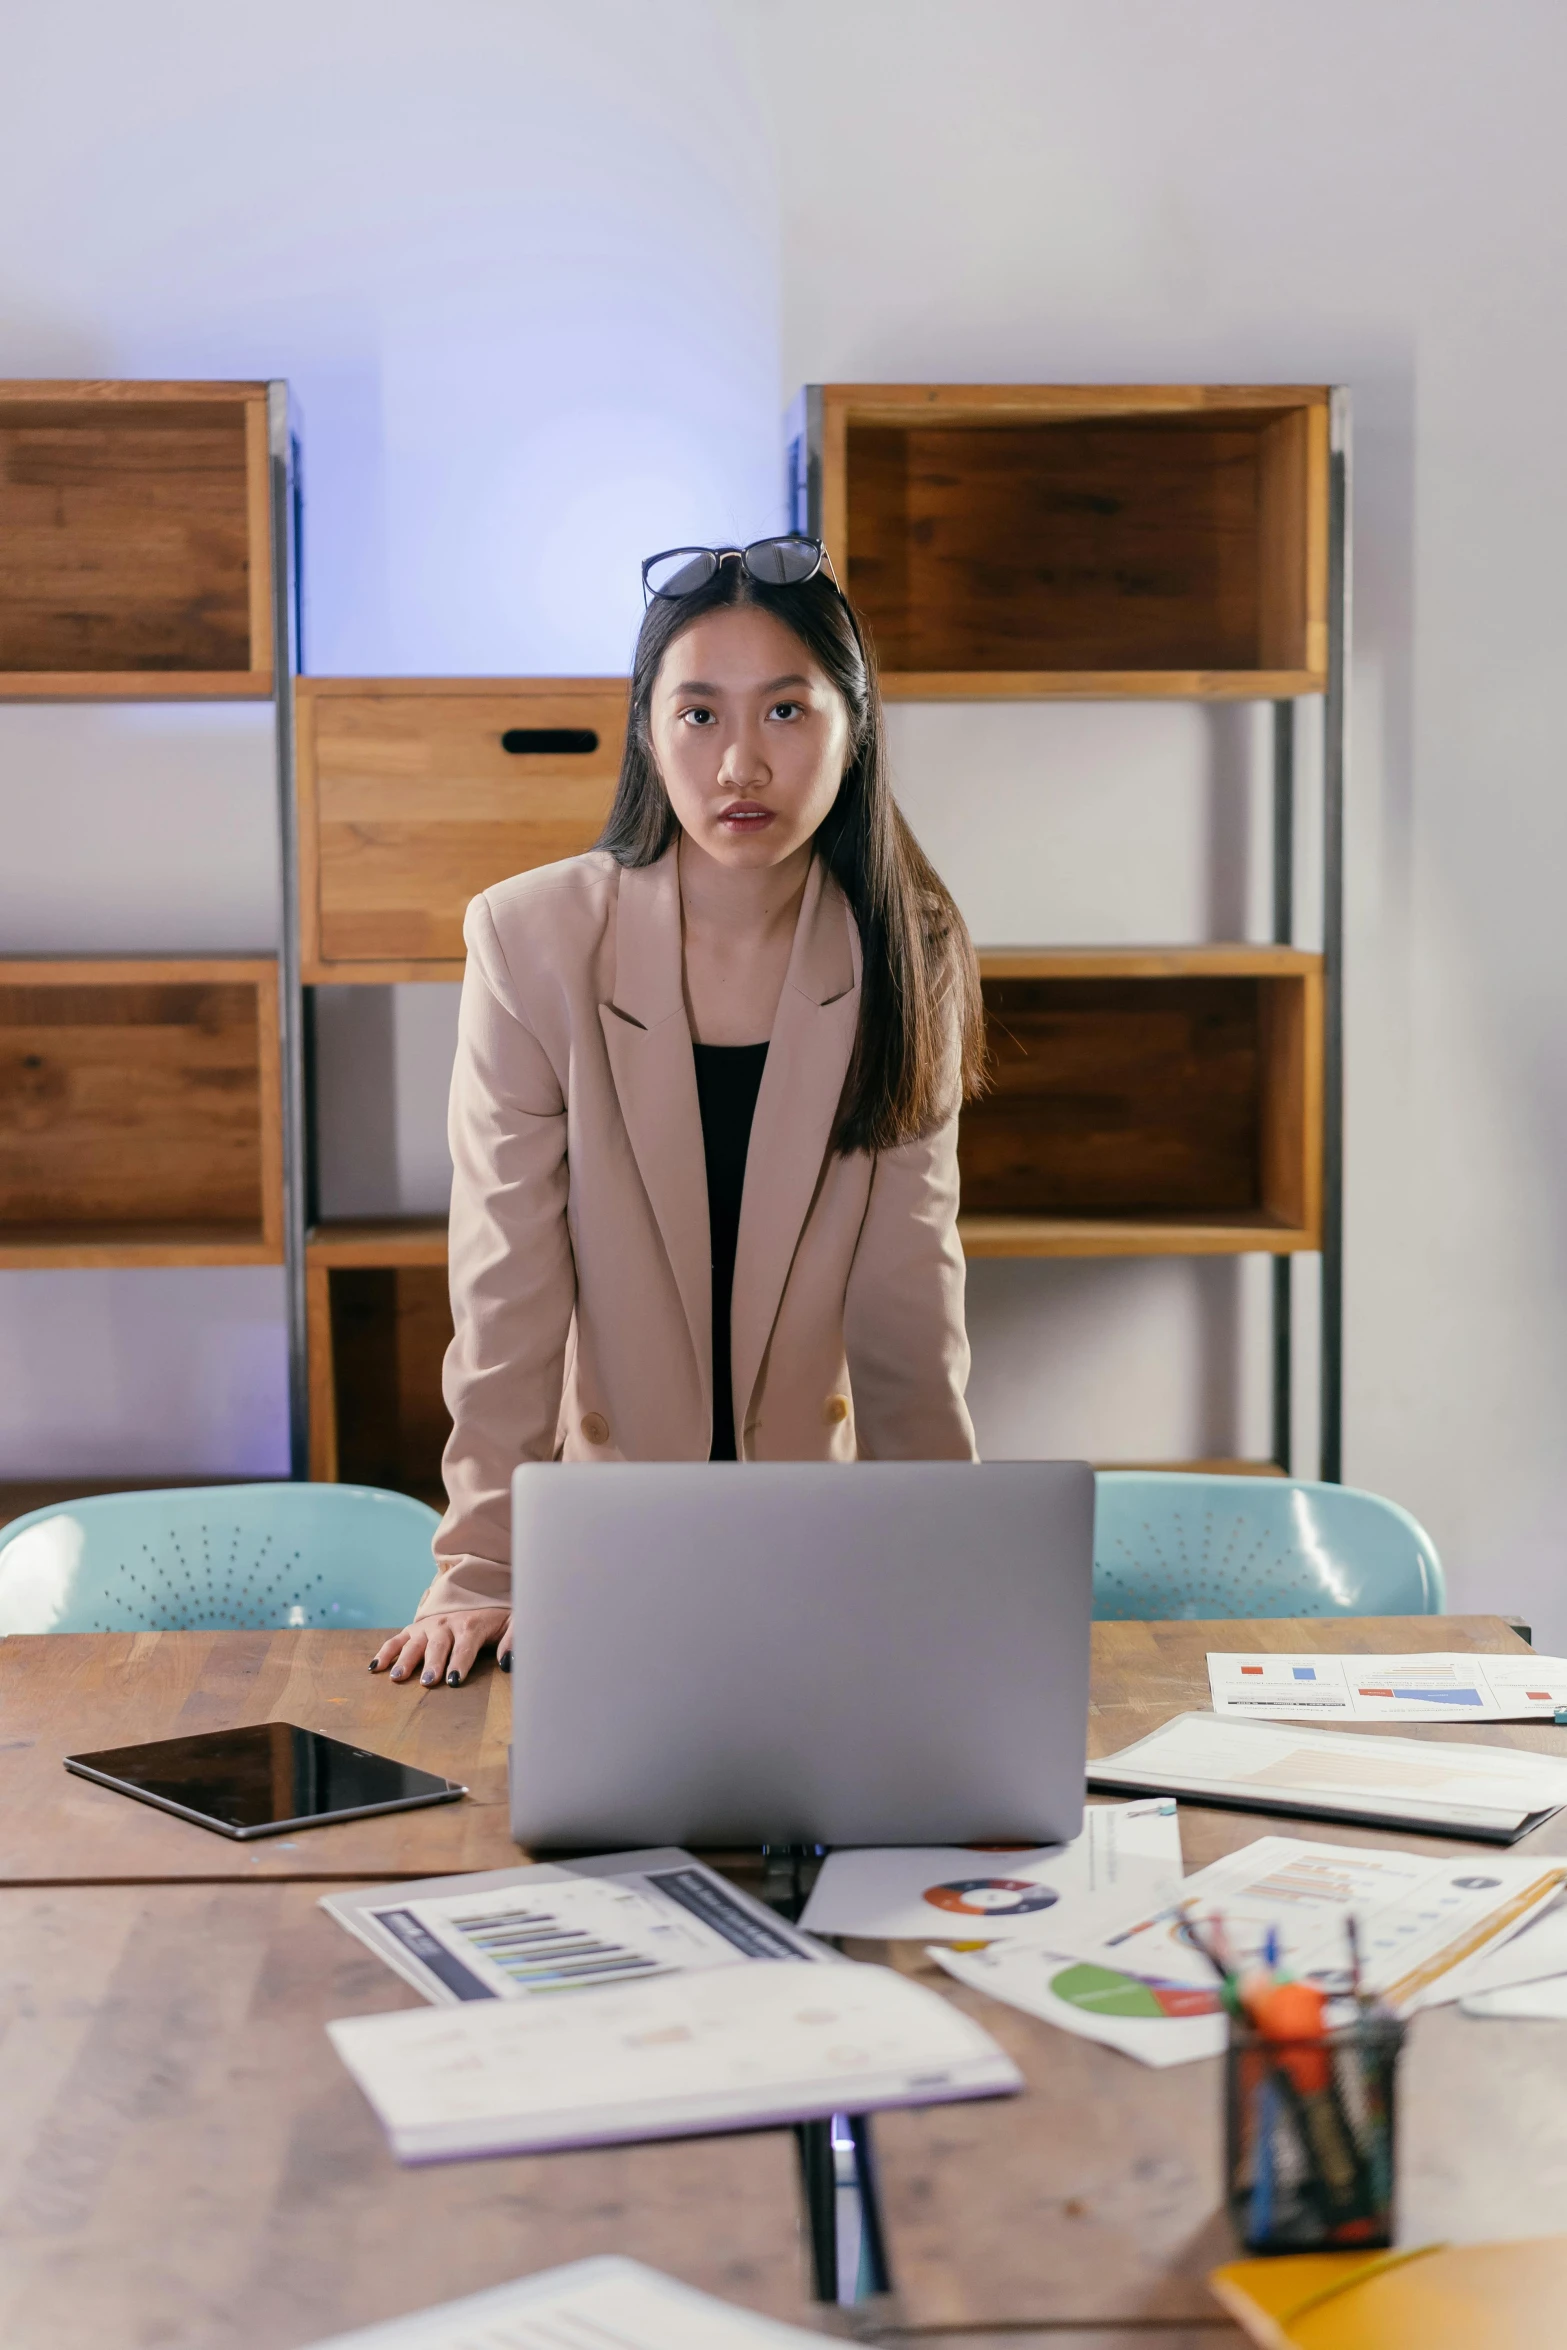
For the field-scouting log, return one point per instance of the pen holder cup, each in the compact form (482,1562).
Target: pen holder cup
(1309,2135)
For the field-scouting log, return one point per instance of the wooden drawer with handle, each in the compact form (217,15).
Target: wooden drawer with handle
(417,793)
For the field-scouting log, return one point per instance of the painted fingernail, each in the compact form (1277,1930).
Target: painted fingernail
(428,1679)
(454,1680)
(374,1665)
(506,1662)
(399,1672)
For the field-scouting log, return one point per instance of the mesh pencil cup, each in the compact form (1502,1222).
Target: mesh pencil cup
(1309,2133)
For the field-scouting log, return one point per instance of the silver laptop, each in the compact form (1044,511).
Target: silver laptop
(888,1652)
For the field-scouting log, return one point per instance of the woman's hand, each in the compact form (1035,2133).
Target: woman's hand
(445,1646)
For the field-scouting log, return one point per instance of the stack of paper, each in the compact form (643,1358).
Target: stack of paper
(966,1893)
(1490,1792)
(1142,1988)
(723,2048)
(1268,1686)
(592,2305)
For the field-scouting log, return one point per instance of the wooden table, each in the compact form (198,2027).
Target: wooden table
(176,2059)
(73,1693)
(185,2163)
(1095,2198)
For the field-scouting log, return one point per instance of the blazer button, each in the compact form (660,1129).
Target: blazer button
(835,1409)
(595,1428)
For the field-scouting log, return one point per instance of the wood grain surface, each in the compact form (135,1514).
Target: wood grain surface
(1094,2198)
(1042,533)
(387,1330)
(68,1693)
(182,2167)
(134,540)
(1089,540)
(140,1104)
(1158,1088)
(1117,1097)
(72,1693)
(185,2163)
(411,802)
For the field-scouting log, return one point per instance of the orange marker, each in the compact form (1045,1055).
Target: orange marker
(1285,2012)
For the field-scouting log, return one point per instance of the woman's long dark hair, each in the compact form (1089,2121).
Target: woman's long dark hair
(920,1046)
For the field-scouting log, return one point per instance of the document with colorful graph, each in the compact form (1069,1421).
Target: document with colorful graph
(1516,1687)
(1449,1786)
(535,1932)
(967,1893)
(1143,1989)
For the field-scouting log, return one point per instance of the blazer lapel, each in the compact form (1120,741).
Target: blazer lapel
(648,1041)
(796,1110)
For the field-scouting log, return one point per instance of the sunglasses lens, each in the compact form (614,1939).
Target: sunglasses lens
(681,571)
(783,562)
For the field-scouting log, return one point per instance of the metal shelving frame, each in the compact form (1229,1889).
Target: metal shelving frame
(294,1007)
(804,487)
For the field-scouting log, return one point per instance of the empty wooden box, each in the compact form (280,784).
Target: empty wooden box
(380,1323)
(1016,539)
(135,541)
(417,793)
(1147,1102)
(140,1113)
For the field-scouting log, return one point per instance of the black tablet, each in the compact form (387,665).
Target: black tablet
(263,1779)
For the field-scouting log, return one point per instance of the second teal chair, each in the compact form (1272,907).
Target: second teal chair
(217,1558)
(1169,1544)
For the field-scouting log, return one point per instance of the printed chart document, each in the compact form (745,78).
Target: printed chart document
(1159,2023)
(722,2048)
(1450,1788)
(1143,1989)
(608,2304)
(1518,1687)
(965,1893)
(534,1932)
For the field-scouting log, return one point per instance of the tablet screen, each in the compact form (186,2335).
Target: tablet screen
(269,1776)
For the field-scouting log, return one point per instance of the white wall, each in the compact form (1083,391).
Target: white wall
(1369,192)
(529,307)
(531,270)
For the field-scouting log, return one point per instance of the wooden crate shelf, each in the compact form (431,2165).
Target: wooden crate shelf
(140,1113)
(1090,541)
(135,541)
(417,793)
(1147,1102)
(380,1322)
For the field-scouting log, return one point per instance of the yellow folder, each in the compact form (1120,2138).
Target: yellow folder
(1439,2297)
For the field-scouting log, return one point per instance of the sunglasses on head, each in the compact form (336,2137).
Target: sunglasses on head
(783,562)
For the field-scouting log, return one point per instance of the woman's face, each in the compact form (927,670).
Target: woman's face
(750,735)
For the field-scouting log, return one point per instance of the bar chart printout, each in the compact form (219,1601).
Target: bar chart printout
(1515,1687)
(540,1936)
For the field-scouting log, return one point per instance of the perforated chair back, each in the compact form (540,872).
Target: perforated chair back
(1168,1544)
(217,1558)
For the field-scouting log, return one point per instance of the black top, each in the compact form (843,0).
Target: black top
(728,1080)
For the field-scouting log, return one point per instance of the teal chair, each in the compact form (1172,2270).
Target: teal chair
(217,1558)
(1168,1544)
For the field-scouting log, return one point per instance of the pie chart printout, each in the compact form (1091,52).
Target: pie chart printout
(1102,1991)
(991,1897)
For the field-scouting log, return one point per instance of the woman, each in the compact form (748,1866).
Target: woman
(704,1109)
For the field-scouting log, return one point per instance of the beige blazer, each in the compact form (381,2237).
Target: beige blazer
(580,1257)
